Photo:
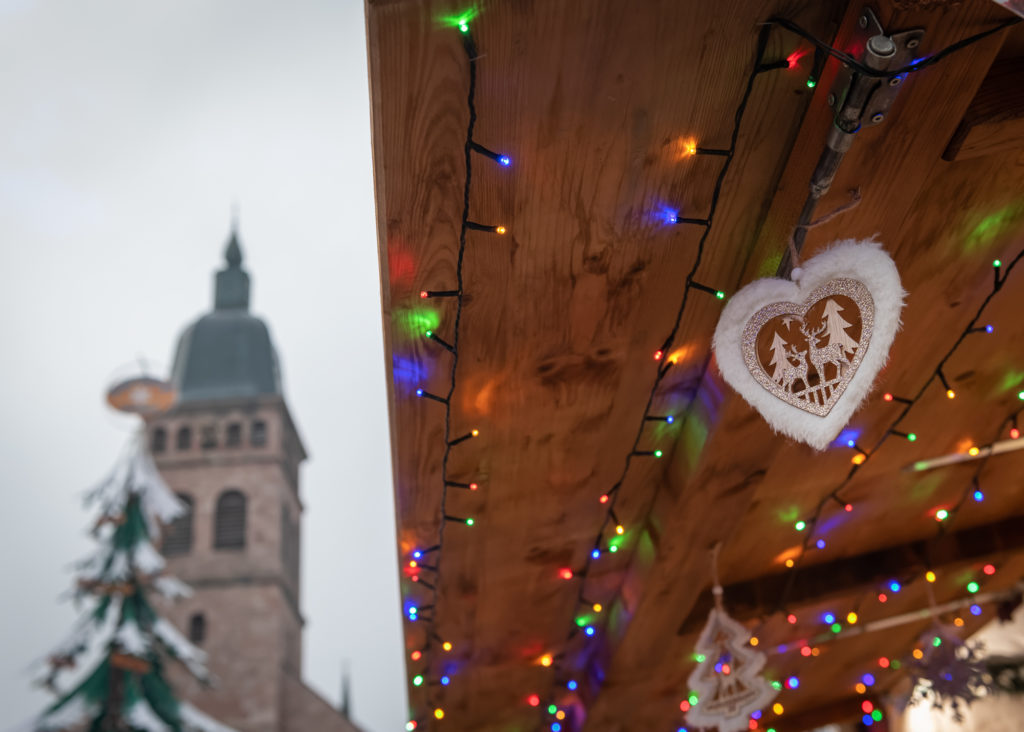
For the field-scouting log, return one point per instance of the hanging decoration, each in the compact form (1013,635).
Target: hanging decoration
(804,353)
(727,681)
(948,671)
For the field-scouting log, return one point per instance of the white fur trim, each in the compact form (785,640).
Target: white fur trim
(864,261)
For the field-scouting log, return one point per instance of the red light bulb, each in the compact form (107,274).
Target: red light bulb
(416,655)
(424,294)
(533,700)
(604,498)
(658,354)
(473,486)
(565,573)
(1014,433)
(887,397)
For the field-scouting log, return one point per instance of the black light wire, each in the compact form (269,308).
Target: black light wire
(613,493)
(999,280)
(888,73)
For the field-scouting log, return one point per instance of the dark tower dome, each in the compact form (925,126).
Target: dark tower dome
(227,353)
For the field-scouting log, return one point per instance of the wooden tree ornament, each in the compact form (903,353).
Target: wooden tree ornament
(728,682)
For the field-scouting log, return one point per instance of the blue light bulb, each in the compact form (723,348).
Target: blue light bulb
(596,553)
(445,681)
(975,609)
(989,328)
(505,160)
(829,618)
(419,392)
(589,630)
(572,686)
(556,727)
(670,419)
(894,586)
(820,543)
(868,679)
(417,554)
(850,443)
(979,496)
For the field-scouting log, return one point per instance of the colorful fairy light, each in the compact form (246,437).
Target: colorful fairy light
(950,394)
(800,525)
(851,618)
(546,660)
(929,576)
(571,686)
(978,496)
(989,569)
(975,610)
(941,515)
(447,646)
(416,655)
(533,700)
(973,587)
(894,586)
(793,682)
(417,680)
(439,713)
(565,573)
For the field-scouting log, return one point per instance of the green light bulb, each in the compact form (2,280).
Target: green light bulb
(876,715)
(997,263)
(912,437)
(973,587)
(720,295)
(552,709)
(942,514)
(776,685)
(657,453)
(1020,395)
(613,548)
(693,698)
(470,522)
(836,627)
(581,622)
(464,27)
(700,658)
(800,525)
(811,83)
(429,334)
(417,680)
(936,641)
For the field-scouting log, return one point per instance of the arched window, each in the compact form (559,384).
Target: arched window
(208,437)
(234,435)
(229,522)
(184,438)
(178,533)
(159,441)
(197,628)
(258,433)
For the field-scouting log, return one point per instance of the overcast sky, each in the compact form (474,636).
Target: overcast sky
(128,130)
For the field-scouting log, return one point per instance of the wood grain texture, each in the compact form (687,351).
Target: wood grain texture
(592,100)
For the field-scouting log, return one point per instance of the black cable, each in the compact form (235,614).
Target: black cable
(907,405)
(613,493)
(889,73)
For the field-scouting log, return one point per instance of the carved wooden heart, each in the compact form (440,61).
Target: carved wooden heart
(804,354)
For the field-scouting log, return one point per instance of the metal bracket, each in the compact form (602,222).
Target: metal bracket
(904,46)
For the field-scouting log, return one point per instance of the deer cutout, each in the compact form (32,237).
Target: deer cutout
(791,373)
(821,357)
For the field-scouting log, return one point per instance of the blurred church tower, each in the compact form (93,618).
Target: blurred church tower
(231,452)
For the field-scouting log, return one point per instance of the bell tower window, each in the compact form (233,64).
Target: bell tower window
(229,521)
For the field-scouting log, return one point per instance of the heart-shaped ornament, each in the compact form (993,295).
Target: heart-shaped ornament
(805,354)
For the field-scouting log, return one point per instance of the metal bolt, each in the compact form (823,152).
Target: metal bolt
(877,118)
(896,81)
(881,46)
(863,21)
(831,100)
(913,43)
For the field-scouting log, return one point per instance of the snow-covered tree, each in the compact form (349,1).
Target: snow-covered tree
(126,689)
(835,327)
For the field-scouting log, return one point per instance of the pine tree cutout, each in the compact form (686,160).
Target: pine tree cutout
(779,359)
(727,681)
(126,689)
(835,327)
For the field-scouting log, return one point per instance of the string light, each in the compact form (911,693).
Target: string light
(851,618)
(439,713)
(410,725)
(571,686)
(989,569)
(800,525)
(546,660)
(416,655)
(565,573)
(929,576)
(533,700)
(973,587)
(446,646)
(941,515)
(975,610)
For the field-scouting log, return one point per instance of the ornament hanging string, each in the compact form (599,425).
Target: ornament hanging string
(794,253)
(716,586)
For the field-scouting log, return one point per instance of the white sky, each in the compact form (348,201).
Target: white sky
(128,129)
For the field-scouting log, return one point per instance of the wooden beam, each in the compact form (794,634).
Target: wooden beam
(995,120)
(840,577)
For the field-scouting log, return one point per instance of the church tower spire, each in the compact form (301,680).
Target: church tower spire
(231,291)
